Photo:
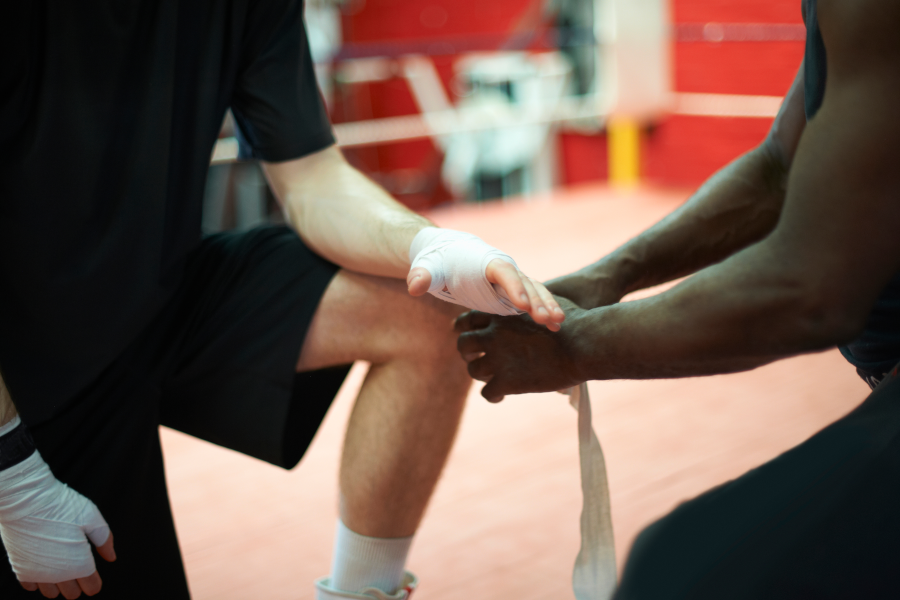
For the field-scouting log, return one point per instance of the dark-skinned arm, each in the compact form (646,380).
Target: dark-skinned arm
(806,287)
(736,207)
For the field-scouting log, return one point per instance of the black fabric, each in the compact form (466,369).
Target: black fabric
(218,363)
(117,463)
(15,447)
(109,110)
(878,348)
(815,62)
(819,522)
(227,349)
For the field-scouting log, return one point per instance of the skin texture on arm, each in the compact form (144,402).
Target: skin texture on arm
(7,408)
(736,207)
(344,216)
(806,287)
(348,219)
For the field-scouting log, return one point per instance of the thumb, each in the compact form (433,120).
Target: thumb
(418,281)
(96,529)
(106,549)
(490,394)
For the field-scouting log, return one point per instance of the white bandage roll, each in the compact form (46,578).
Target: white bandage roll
(594,575)
(457,263)
(45,524)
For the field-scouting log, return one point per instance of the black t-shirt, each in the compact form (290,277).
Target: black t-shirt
(109,110)
(877,350)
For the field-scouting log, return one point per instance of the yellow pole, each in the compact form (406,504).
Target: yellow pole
(624,149)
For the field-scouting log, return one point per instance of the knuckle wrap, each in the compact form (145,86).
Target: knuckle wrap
(457,263)
(43,524)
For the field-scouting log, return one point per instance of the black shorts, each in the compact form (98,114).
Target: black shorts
(821,521)
(218,363)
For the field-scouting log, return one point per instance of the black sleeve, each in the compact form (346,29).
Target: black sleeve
(276,102)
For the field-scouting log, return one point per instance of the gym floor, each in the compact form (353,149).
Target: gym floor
(504,521)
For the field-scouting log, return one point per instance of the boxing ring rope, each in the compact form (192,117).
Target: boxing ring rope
(413,127)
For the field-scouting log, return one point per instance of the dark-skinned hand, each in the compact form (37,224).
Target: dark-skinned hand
(515,355)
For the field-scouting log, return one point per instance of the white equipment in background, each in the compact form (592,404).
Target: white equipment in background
(323,30)
(519,99)
(633,40)
(501,131)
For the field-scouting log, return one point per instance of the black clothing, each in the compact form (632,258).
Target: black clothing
(15,447)
(815,63)
(218,362)
(818,522)
(821,520)
(110,109)
(878,348)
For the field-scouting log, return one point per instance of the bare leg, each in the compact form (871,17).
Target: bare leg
(406,416)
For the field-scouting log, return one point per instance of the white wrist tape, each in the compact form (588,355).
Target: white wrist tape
(457,261)
(43,524)
(594,575)
(4,429)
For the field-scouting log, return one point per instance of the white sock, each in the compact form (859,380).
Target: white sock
(360,562)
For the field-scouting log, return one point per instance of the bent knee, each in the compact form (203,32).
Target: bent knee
(375,319)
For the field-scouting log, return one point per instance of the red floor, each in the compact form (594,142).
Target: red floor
(504,521)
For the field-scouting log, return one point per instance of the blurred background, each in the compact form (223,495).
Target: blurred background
(444,101)
(556,130)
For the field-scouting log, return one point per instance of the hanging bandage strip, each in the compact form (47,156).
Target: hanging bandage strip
(594,576)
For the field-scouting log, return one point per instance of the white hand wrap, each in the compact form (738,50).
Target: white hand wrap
(43,524)
(457,261)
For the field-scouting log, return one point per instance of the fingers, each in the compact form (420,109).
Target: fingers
(480,369)
(526,294)
(91,585)
(469,346)
(508,277)
(418,281)
(472,320)
(49,590)
(557,315)
(106,550)
(544,309)
(69,589)
(490,393)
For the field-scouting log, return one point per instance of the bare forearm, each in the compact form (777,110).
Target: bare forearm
(736,207)
(7,408)
(732,317)
(345,217)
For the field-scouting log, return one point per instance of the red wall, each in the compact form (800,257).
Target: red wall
(373,21)
(684,151)
(679,151)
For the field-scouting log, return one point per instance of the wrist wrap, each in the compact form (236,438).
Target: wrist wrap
(457,262)
(15,446)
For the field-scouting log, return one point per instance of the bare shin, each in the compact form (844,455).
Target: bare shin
(406,415)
